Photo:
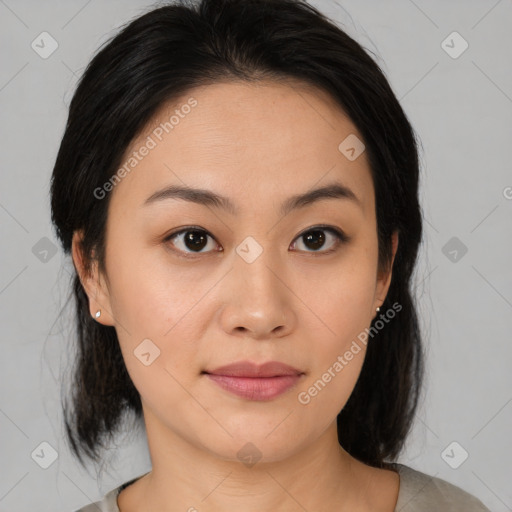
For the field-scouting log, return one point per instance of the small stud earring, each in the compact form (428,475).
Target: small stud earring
(98,313)
(378,309)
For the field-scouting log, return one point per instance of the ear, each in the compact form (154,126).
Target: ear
(384,279)
(93,283)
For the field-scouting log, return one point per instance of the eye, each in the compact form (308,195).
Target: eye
(315,239)
(192,240)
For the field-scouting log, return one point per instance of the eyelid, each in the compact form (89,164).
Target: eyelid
(340,235)
(325,227)
(190,255)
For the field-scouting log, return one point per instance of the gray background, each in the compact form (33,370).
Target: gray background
(462,110)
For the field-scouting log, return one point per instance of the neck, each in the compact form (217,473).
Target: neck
(188,477)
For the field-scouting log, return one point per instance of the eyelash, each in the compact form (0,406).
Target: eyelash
(339,235)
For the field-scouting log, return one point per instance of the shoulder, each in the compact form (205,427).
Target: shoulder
(107,504)
(420,492)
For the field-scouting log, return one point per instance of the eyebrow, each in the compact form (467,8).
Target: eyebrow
(209,198)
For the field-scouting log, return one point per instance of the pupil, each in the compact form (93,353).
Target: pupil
(317,238)
(195,240)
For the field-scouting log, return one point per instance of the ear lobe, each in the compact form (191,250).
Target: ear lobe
(92,282)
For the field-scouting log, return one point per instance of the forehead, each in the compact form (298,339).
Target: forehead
(258,141)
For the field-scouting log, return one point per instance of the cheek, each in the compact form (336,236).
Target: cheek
(338,354)
(342,307)
(150,296)
(340,302)
(156,322)
(326,392)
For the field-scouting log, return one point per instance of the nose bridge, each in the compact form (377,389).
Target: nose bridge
(254,265)
(256,299)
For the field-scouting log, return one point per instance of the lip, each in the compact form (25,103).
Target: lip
(250,369)
(255,382)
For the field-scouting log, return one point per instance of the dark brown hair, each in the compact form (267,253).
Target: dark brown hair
(158,57)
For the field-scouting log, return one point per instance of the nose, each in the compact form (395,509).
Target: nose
(257,300)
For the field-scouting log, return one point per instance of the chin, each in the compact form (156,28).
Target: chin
(254,446)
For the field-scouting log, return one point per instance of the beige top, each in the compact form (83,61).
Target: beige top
(418,492)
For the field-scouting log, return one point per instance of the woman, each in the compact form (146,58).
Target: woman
(238,188)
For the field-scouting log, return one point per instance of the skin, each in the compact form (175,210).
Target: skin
(257,145)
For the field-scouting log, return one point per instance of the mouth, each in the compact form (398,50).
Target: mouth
(255,382)
(256,388)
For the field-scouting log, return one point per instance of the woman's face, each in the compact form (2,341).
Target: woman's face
(257,281)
